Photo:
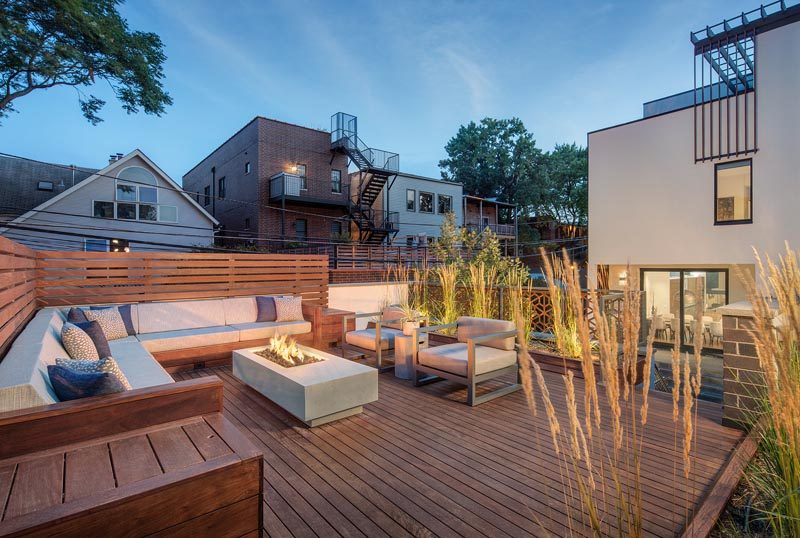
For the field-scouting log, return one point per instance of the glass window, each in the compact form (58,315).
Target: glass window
(733,190)
(426,202)
(247,223)
(221,189)
(336,228)
(301,229)
(206,195)
(300,170)
(148,195)
(126,211)
(137,174)
(45,185)
(247,167)
(445,203)
(103,210)
(411,200)
(148,212)
(168,213)
(95,245)
(336,181)
(126,193)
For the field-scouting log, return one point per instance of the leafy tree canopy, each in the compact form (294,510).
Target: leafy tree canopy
(565,193)
(494,158)
(49,43)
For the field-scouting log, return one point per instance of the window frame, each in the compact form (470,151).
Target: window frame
(337,224)
(86,242)
(438,199)
(413,200)
(42,186)
(221,187)
(158,214)
(305,230)
(247,168)
(726,164)
(113,209)
(433,203)
(334,191)
(207,196)
(303,177)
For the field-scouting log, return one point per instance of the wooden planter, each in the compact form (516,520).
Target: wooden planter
(554,362)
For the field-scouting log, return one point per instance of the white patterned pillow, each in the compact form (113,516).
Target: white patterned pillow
(111,322)
(78,343)
(288,308)
(107,364)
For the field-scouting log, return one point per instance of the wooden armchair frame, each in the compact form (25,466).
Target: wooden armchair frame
(472,379)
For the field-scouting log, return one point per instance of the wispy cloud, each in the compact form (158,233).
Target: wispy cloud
(478,85)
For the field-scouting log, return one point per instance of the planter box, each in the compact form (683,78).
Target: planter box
(553,362)
(315,393)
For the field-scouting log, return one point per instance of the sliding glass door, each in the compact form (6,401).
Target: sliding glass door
(677,298)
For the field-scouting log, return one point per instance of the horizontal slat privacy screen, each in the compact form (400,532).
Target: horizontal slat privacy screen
(17,289)
(73,278)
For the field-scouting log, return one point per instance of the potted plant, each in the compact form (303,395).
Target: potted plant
(410,320)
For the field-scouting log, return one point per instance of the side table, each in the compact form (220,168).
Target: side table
(404,355)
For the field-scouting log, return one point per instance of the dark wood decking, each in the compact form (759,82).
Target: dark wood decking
(419,462)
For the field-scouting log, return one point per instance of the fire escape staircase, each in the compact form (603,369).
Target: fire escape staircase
(375,168)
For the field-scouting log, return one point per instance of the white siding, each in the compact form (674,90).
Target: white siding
(415,222)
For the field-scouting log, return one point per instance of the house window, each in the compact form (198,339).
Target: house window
(445,204)
(301,229)
(103,210)
(410,239)
(167,213)
(426,202)
(126,211)
(206,195)
(120,245)
(95,245)
(221,189)
(336,228)
(247,167)
(45,186)
(300,171)
(733,194)
(411,200)
(126,193)
(247,223)
(336,181)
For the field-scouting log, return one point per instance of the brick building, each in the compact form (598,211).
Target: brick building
(274,180)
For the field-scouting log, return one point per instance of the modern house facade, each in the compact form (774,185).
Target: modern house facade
(685,193)
(131,204)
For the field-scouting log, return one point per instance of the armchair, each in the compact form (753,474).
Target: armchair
(486,349)
(372,342)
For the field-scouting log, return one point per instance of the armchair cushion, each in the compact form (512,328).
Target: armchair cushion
(469,327)
(391,316)
(365,338)
(452,358)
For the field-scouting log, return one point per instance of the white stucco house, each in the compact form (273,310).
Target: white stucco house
(131,204)
(686,192)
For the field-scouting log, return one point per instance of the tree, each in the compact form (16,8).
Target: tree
(495,158)
(49,43)
(565,196)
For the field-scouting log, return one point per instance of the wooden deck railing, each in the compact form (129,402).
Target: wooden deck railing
(359,256)
(17,289)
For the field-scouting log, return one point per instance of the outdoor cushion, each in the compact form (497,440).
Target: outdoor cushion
(126,311)
(288,308)
(77,343)
(188,338)
(179,315)
(265,309)
(24,381)
(110,320)
(72,384)
(469,327)
(76,315)
(268,329)
(95,332)
(139,367)
(106,364)
(453,358)
(365,338)
(391,317)
(240,310)
(46,321)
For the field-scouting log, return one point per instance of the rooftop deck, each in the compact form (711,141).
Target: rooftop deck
(418,462)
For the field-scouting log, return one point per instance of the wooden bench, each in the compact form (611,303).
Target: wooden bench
(161,460)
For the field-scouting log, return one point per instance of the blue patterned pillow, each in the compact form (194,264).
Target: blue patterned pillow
(266,308)
(95,332)
(125,312)
(76,315)
(70,384)
(106,364)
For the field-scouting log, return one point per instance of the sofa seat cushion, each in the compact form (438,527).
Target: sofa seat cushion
(139,366)
(180,315)
(365,338)
(268,329)
(452,358)
(188,338)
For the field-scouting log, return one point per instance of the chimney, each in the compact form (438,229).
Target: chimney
(114,157)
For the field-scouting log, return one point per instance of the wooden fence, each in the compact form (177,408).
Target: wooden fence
(359,256)
(17,289)
(30,279)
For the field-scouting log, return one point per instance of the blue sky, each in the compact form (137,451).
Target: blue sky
(411,71)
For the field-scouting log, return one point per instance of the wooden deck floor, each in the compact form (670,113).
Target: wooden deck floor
(418,462)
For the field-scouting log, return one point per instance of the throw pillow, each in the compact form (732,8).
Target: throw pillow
(107,364)
(110,320)
(78,344)
(125,312)
(266,308)
(288,309)
(76,315)
(95,332)
(70,384)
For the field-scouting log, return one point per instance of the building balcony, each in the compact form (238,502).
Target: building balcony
(500,230)
(286,187)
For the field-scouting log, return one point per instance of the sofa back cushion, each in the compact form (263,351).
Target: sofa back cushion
(178,315)
(240,310)
(469,327)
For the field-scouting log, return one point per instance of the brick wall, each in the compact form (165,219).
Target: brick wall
(356,276)
(742,379)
